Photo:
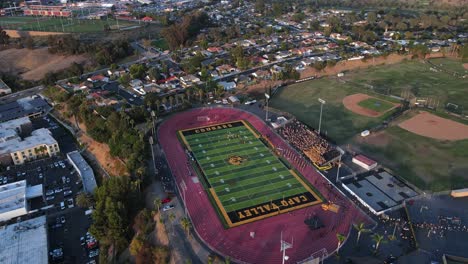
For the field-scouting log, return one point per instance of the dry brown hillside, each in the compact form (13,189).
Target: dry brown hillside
(34,64)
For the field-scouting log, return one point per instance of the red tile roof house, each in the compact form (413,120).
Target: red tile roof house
(97,78)
(147,19)
(215,49)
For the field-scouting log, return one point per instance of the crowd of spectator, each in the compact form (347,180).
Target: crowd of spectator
(307,141)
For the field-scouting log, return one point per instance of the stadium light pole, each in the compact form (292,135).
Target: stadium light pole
(338,171)
(267,98)
(322,102)
(151,141)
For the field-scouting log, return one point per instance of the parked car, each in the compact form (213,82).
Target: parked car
(168,207)
(70,203)
(49,198)
(66,193)
(62,219)
(166,200)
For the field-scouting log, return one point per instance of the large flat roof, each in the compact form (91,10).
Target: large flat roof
(85,171)
(379,191)
(12,197)
(21,108)
(24,242)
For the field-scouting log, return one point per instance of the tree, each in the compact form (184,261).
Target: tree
(172,217)
(154,74)
(360,228)
(136,245)
(341,238)
(378,239)
(137,71)
(260,6)
(124,79)
(371,17)
(84,200)
(157,204)
(4,38)
(186,225)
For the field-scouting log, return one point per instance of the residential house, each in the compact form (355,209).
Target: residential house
(189,80)
(227,86)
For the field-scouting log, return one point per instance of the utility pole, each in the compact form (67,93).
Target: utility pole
(322,102)
(267,98)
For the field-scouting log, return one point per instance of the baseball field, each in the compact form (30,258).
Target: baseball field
(243,175)
(430,163)
(66,25)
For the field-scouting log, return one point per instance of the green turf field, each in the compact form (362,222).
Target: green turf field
(340,124)
(67,25)
(427,163)
(376,105)
(246,178)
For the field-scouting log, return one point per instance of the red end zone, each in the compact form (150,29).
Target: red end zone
(237,242)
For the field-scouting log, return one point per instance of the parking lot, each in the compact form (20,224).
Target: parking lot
(67,223)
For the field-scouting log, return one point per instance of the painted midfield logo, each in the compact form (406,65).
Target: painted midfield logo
(236,160)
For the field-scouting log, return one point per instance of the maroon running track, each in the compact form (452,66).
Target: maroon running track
(236,242)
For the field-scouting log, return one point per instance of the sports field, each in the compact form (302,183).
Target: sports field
(430,164)
(376,104)
(339,123)
(246,179)
(66,25)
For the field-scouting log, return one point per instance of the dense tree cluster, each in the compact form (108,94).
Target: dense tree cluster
(181,33)
(104,52)
(116,200)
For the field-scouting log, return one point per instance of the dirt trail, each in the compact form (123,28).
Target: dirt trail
(34,64)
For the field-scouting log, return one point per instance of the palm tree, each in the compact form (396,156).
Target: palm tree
(360,228)
(200,94)
(377,238)
(164,100)
(186,225)
(171,101)
(341,238)
(182,97)
(157,205)
(188,92)
(172,217)
(158,105)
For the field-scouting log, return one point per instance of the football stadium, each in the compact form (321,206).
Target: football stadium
(245,178)
(248,193)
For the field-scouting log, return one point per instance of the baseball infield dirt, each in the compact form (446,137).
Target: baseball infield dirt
(351,103)
(432,126)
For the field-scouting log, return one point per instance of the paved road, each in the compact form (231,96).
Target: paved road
(21,94)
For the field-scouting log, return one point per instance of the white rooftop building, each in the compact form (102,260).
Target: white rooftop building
(14,197)
(11,129)
(24,242)
(84,170)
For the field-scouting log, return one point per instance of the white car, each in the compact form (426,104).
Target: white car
(167,207)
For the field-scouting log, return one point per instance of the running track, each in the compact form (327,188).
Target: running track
(236,242)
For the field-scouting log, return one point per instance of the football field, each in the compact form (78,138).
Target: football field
(245,178)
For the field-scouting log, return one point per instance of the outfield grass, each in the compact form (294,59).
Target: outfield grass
(429,164)
(67,25)
(451,65)
(375,104)
(260,178)
(341,124)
